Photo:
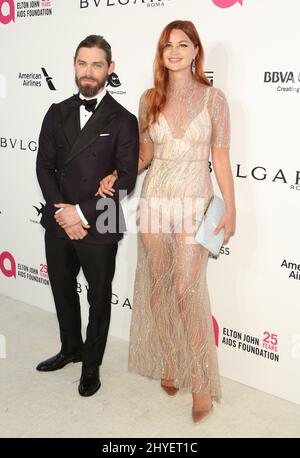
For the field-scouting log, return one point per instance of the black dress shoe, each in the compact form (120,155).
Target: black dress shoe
(89,383)
(58,362)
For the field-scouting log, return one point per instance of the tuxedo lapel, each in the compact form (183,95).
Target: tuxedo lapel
(103,115)
(70,120)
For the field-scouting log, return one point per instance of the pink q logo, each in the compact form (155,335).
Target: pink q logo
(216,330)
(227,3)
(8,272)
(6,18)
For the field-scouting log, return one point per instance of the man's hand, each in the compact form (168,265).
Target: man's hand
(67,216)
(106,185)
(76,232)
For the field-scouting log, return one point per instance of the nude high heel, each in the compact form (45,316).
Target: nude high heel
(198,415)
(170,390)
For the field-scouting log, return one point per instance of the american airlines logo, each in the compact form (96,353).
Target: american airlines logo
(33,79)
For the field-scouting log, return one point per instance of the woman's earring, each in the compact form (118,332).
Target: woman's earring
(193,66)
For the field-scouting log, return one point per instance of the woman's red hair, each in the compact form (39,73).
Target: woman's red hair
(155,99)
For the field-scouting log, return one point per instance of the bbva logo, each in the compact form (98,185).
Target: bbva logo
(280,77)
(7,264)
(227,3)
(7,11)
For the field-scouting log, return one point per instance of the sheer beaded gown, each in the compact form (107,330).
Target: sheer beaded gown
(171,335)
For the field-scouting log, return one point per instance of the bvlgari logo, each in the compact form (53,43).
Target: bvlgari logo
(19,144)
(123,302)
(261,173)
(105,3)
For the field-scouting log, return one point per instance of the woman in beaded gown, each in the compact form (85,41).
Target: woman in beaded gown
(181,119)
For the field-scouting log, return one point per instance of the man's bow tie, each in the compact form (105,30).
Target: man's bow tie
(89,105)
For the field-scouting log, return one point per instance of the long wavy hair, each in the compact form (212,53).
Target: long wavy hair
(155,99)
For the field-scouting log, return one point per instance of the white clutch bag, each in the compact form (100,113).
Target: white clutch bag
(205,233)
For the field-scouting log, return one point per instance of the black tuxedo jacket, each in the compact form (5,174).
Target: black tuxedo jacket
(70,162)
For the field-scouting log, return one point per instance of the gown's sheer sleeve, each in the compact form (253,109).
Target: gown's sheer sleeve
(144,134)
(220,120)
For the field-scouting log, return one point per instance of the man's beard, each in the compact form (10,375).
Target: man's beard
(90,91)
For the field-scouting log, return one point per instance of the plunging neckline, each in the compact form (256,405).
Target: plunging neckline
(188,126)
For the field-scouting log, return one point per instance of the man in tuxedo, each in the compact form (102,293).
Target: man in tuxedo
(83,139)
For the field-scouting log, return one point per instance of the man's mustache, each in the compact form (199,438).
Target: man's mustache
(86,78)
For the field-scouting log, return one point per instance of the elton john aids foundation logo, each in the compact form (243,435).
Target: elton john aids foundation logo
(7,264)
(7,11)
(227,3)
(28,10)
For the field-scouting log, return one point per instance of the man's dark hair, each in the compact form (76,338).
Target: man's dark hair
(96,41)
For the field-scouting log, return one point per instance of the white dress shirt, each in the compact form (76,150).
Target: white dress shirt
(84,114)
(84,117)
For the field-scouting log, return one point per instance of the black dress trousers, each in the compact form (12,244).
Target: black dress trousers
(64,259)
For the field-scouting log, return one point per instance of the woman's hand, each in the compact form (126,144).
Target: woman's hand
(106,185)
(228,223)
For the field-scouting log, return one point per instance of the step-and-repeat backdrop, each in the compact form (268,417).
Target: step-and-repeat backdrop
(252,55)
